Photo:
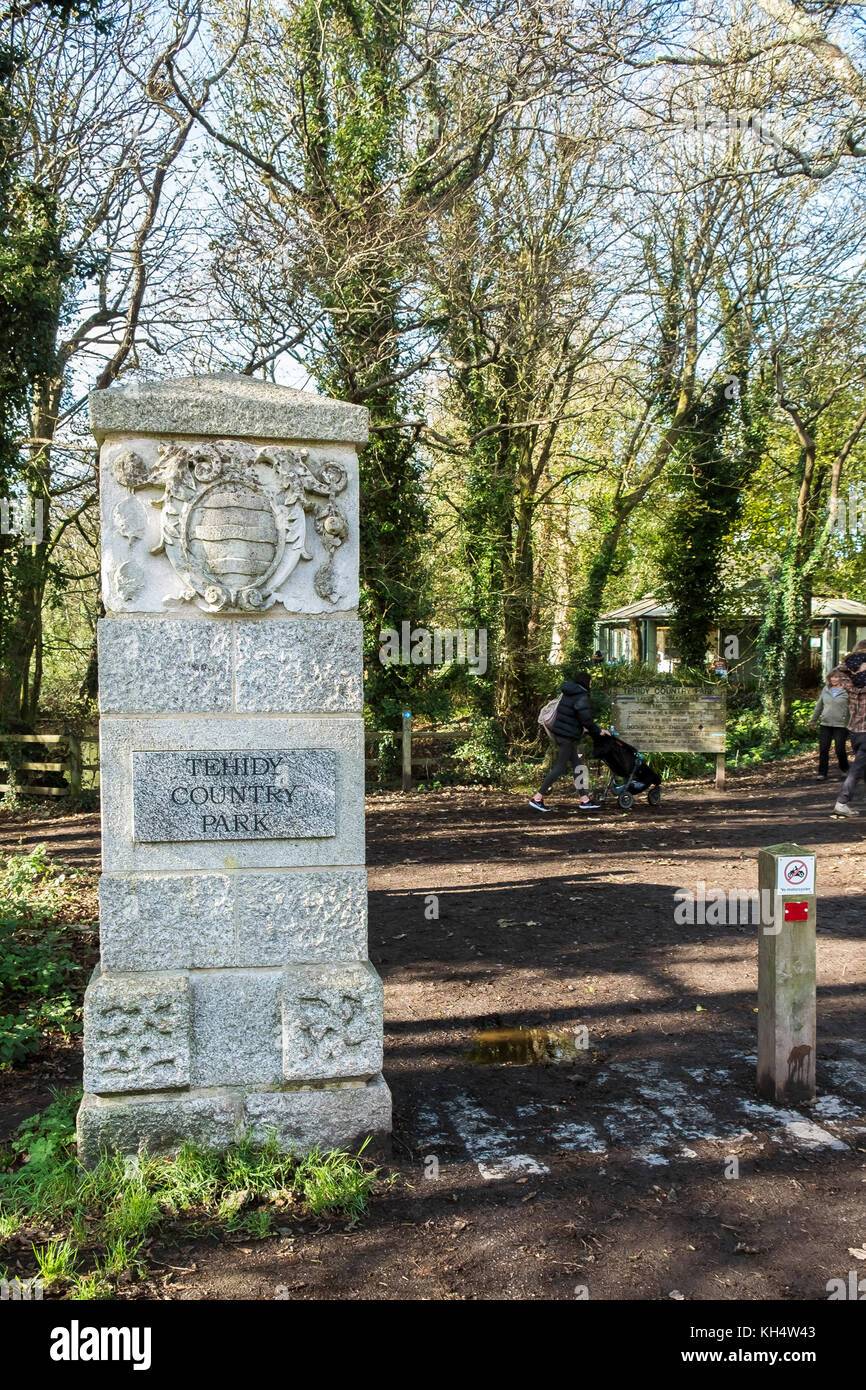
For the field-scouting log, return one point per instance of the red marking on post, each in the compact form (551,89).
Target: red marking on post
(796,912)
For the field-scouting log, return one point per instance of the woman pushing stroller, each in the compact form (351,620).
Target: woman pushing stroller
(566,720)
(566,724)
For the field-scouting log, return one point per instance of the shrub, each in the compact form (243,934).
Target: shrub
(39,976)
(483,757)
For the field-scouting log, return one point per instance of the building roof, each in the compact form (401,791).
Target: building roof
(838,608)
(651,607)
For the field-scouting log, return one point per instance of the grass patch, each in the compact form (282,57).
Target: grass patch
(55,1261)
(46,952)
(82,1230)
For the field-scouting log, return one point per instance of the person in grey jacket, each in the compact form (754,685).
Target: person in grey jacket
(831,716)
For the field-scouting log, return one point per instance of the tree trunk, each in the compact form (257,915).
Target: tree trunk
(562,575)
(34,558)
(588,604)
(514,696)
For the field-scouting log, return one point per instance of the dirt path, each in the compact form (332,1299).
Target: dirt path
(74,839)
(612,1172)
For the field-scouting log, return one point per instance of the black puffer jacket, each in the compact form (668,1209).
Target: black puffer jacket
(574,714)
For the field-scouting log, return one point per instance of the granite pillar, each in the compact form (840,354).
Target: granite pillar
(233,991)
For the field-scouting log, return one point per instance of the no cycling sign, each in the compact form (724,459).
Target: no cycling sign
(796,875)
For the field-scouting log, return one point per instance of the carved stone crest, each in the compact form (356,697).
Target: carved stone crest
(233,521)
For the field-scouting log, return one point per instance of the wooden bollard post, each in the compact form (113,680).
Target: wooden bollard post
(407,750)
(786,974)
(73,762)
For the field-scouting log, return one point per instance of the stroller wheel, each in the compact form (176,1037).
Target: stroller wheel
(654,796)
(625,801)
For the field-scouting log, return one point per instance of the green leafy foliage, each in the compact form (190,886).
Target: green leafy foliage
(708,482)
(484,755)
(41,982)
(348,54)
(33,271)
(752,735)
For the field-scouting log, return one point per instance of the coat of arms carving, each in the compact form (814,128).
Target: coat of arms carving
(234,518)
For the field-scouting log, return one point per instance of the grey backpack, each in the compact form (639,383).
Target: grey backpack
(547,717)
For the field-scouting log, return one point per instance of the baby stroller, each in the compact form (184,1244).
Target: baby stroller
(630,773)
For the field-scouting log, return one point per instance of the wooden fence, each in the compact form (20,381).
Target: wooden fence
(420,748)
(47,754)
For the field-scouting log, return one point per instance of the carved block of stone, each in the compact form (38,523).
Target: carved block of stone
(136,1033)
(201,920)
(234,517)
(331,1021)
(164,665)
(299,664)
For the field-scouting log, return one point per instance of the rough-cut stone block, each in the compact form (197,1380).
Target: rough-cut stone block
(189,921)
(313,916)
(330,1117)
(260,794)
(136,1033)
(225,403)
(169,922)
(156,1124)
(122,735)
(299,665)
(332,1021)
(236,1027)
(164,666)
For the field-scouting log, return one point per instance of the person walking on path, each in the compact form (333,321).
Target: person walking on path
(831,709)
(573,719)
(852,677)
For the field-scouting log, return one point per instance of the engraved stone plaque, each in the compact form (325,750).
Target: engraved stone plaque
(257,794)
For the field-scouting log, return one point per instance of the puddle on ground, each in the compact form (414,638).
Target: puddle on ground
(525,1046)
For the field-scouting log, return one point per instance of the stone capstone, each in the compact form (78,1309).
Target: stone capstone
(226,403)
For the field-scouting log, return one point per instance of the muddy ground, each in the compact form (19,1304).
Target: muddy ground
(609,1174)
